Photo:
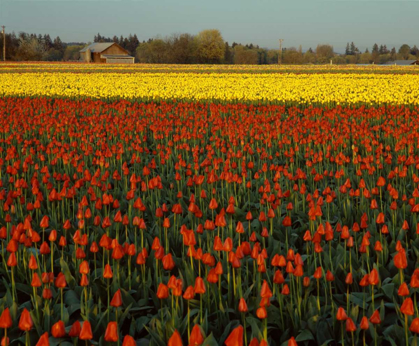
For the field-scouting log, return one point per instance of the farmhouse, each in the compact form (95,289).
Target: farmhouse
(106,52)
(403,62)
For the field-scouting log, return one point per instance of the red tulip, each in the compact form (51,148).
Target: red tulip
(329,276)
(254,342)
(162,291)
(168,262)
(199,286)
(129,341)
(341,314)
(33,265)
(235,338)
(6,319)
(407,307)
(47,293)
(12,261)
(239,227)
(25,321)
(58,329)
(403,290)
(380,219)
(261,313)
(400,260)
(350,325)
(242,305)
(175,339)
(107,273)
(44,222)
(84,267)
(373,277)
(287,221)
(364,323)
(196,338)
(117,299)
(111,333)
(75,330)
(86,331)
(414,326)
(43,340)
(265,291)
(375,317)
(189,293)
(292,342)
(60,281)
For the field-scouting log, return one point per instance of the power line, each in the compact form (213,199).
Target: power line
(4,43)
(280,51)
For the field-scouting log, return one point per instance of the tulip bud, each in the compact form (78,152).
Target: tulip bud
(25,321)
(43,340)
(58,329)
(111,333)
(175,339)
(235,338)
(6,319)
(86,331)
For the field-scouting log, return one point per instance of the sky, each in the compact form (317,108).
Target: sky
(263,22)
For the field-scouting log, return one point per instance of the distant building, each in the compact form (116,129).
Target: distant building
(106,52)
(403,62)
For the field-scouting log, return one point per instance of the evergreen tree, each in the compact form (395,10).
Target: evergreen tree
(58,44)
(381,50)
(347,50)
(375,55)
(47,41)
(393,54)
(126,43)
(228,57)
(352,49)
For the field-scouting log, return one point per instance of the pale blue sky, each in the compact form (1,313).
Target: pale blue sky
(261,22)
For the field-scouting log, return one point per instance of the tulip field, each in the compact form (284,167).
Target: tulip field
(208,208)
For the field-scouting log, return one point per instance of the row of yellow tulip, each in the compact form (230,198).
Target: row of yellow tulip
(208,68)
(369,89)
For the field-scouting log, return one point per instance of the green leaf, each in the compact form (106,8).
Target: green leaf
(210,341)
(304,335)
(141,323)
(388,290)
(67,273)
(253,322)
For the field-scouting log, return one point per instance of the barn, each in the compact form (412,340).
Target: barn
(403,62)
(106,52)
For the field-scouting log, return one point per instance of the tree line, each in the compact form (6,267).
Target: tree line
(207,47)
(32,47)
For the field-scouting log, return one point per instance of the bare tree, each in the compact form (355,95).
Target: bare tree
(30,49)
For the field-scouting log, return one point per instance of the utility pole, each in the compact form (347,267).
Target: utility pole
(280,51)
(4,43)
